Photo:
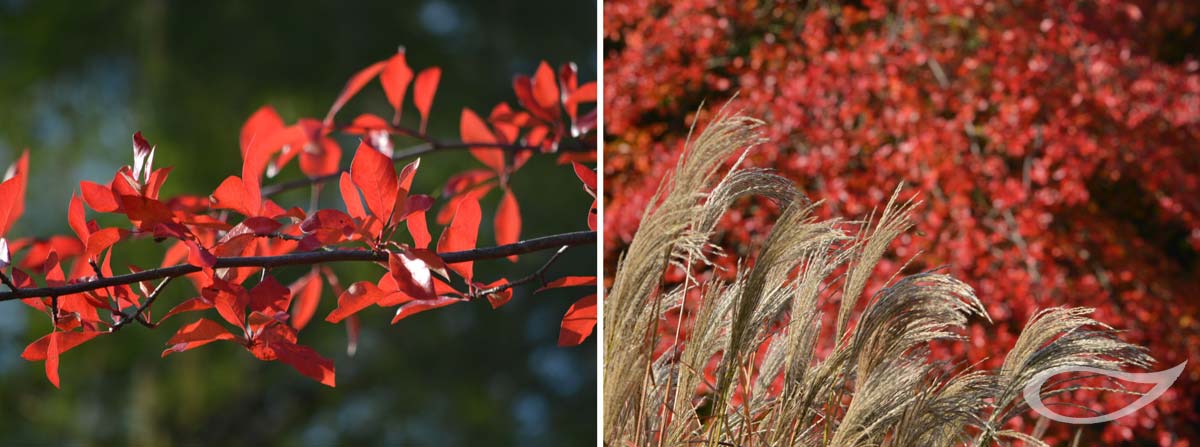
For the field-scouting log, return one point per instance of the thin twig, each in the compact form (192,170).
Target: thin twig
(306,258)
(8,282)
(539,274)
(137,314)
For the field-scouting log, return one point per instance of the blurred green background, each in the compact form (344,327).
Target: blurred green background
(78,78)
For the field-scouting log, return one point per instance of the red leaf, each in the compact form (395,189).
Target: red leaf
(407,173)
(189,305)
(98,197)
(587,176)
(328,219)
(351,198)
(320,158)
(375,177)
(395,78)
(307,291)
(569,281)
(306,361)
(412,273)
(270,297)
(12,193)
(462,233)
(579,322)
(523,88)
(472,129)
(357,297)
(465,180)
(143,157)
(199,333)
(415,307)
(568,79)
(232,195)
(419,229)
(230,301)
(77,220)
(52,351)
(356,83)
(497,299)
(424,90)
(36,351)
(101,240)
(508,221)
(584,94)
(545,88)
(259,127)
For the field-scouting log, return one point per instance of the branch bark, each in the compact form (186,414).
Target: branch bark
(305,258)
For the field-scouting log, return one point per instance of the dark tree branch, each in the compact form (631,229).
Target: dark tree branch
(305,258)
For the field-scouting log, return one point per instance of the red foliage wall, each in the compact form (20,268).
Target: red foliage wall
(1054,143)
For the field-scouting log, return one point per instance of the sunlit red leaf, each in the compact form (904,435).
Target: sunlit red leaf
(545,87)
(52,351)
(472,129)
(143,157)
(408,173)
(307,291)
(496,299)
(188,305)
(100,240)
(375,177)
(357,297)
(466,180)
(508,221)
(196,334)
(412,273)
(395,78)
(417,306)
(320,158)
(570,281)
(12,193)
(232,195)
(568,80)
(356,83)
(270,297)
(419,229)
(259,127)
(579,322)
(76,219)
(351,198)
(307,361)
(98,197)
(423,92)
(36,351)
(230,301)
(587,176)
(462,234)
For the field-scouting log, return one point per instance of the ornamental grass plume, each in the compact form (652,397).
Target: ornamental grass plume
(773,385)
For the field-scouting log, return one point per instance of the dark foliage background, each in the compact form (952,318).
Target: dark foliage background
(77,78)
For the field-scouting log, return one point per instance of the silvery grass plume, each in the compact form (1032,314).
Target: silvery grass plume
(877,386)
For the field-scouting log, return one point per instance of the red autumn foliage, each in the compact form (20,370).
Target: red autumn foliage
(226,239)
(1053,144)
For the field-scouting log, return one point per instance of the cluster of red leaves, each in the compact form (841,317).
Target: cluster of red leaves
(237,220)
(1053,144)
